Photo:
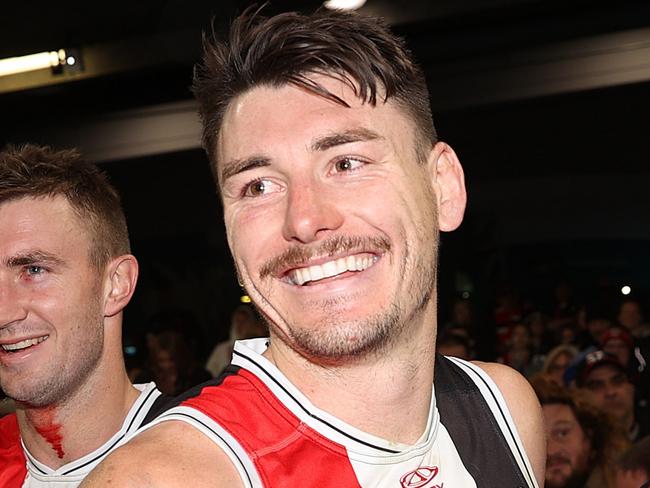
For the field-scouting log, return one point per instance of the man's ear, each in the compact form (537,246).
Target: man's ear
(449,184)
(121,280)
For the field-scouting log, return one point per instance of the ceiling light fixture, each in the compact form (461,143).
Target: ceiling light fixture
(343,4)
(32,62)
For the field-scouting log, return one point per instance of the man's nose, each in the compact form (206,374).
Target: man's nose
(311,212)
(552,446)
(12,307)
(611,390)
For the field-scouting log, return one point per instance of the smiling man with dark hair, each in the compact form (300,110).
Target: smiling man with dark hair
(335,188)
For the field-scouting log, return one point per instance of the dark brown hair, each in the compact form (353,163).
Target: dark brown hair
(289,47)
(39,171)
(606,437)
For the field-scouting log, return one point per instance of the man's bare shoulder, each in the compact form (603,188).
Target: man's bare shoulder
(169,455)
(525,410)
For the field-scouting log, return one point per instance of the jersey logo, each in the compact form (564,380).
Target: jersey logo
(420,477)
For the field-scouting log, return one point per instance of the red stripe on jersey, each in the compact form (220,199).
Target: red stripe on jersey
(285,451)
(13,465)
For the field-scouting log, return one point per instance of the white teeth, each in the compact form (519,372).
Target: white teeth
(316,273)
(23,344)
(330,268)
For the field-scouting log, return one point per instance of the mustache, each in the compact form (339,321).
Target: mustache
(299,254)
(556,459)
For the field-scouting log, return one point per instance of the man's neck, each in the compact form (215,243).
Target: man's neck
(386,394)
(60,433)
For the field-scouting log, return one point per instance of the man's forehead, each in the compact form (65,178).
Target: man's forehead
(286,94)
(40,218)
(558,414)
(261,114)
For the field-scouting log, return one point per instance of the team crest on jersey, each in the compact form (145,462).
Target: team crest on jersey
(420,478)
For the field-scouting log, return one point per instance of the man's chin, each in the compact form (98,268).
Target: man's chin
(562,480)
(556,481)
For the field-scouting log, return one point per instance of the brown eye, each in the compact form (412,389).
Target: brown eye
(256,188)
(346,164)
(343,165)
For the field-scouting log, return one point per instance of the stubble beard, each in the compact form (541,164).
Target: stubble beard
(574,480)
(59,382)
(333,341)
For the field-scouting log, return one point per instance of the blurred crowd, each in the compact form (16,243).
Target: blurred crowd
(587,362)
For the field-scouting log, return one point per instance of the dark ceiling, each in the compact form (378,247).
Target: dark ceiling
(546,103)
(152,45)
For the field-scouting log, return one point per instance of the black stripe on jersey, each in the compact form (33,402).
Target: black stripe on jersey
(225,442)
(474,429)
(505,419)
(108,449)
(38,469)
(316,417)
(165,402)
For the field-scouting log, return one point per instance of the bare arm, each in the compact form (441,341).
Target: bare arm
(169,455)
(526,412)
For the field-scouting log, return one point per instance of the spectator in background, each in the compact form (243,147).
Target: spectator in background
(582,442)
(598,320)
(508,311)
(557,361)
(519,353)
(618,342)
(173,361)
(633,468)
(567,334)
(462,316)
(450,343)
(630,316)
(607,385)
(462,323)
(540,339)
(244,324)
(564,307)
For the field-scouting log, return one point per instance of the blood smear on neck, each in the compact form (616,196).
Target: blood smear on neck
(49,430)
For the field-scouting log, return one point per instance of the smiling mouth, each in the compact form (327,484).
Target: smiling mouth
(329,269)
(22,345)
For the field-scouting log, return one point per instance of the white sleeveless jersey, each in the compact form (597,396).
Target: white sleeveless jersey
(72,474)
(277,438)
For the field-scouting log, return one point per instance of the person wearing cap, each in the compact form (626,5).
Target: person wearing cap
(619,342)
(608,385)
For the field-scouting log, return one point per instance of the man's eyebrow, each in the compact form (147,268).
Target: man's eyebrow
(562,423)
(236,166)
(322,143)
(329,141)
(33,257)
